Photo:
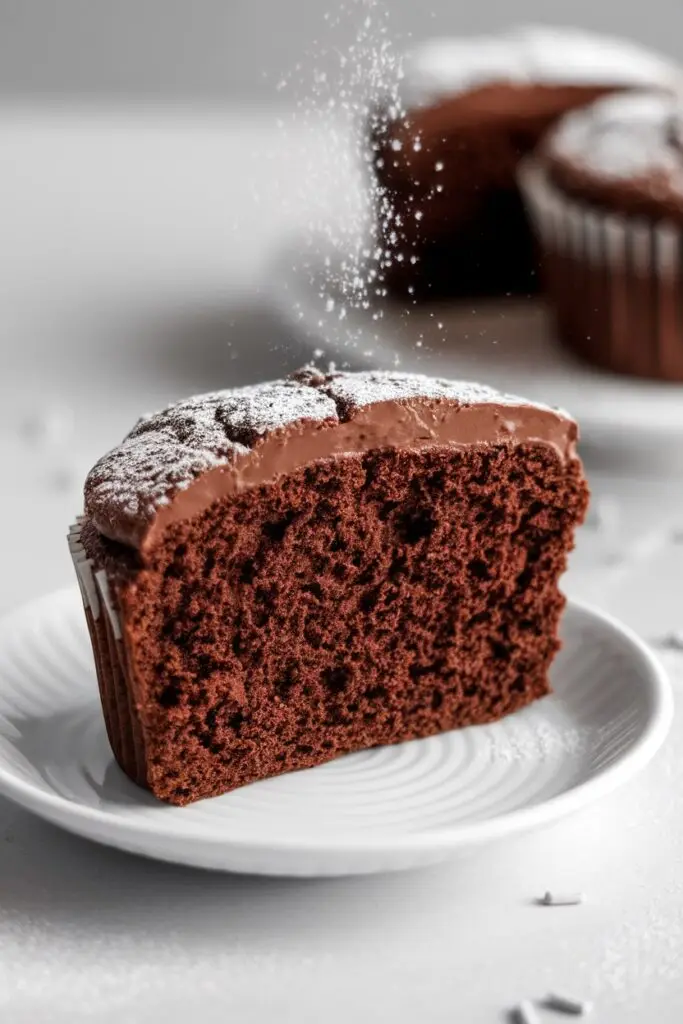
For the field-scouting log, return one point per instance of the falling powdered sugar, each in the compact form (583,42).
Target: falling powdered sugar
(346,100)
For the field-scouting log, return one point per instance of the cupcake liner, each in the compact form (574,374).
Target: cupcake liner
(111,661)
(614,281)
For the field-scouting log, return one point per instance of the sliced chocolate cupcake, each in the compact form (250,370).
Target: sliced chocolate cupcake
(280,574)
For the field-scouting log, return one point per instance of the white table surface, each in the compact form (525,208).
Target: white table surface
(136,248)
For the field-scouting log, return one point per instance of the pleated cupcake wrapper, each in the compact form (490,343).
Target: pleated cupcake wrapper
(111,661)
(615,282)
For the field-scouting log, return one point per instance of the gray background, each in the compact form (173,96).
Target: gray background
(217,50)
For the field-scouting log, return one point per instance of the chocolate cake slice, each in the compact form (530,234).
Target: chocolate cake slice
(280,574)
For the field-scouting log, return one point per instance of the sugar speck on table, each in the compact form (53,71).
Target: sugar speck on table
(564,1004)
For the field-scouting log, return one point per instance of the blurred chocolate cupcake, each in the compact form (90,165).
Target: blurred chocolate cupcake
(451,220)
(605,192)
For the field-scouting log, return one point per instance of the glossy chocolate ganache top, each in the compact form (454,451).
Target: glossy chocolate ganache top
(176,463)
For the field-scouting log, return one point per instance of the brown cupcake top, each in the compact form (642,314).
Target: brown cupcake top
(532,55)
(623,153)
(176,462)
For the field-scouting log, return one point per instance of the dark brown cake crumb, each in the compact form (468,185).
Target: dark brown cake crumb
(361,600)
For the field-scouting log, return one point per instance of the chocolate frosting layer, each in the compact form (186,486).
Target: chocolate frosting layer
(177,462)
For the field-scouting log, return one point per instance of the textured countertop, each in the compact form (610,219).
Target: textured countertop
(136,256)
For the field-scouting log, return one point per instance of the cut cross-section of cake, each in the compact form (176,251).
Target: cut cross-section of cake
(280,574)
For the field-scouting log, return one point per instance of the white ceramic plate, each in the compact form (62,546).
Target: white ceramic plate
(508,344)
(385,809)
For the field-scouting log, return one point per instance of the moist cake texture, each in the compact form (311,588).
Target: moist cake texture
(277,575)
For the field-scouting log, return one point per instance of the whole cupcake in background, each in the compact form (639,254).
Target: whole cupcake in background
(605,192)
(450,217)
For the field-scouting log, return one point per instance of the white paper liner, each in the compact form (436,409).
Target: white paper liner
(110,659)
(103,584)
(84,570)
(94,585)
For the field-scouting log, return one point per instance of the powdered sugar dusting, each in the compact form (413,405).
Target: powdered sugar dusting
(626,136)
(128,485)
(543,742)
(240,415)
(386,386)
(166,451)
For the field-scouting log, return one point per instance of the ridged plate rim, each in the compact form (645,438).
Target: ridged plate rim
(140,836)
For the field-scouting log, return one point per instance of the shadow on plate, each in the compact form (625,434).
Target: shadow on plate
(81,762)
